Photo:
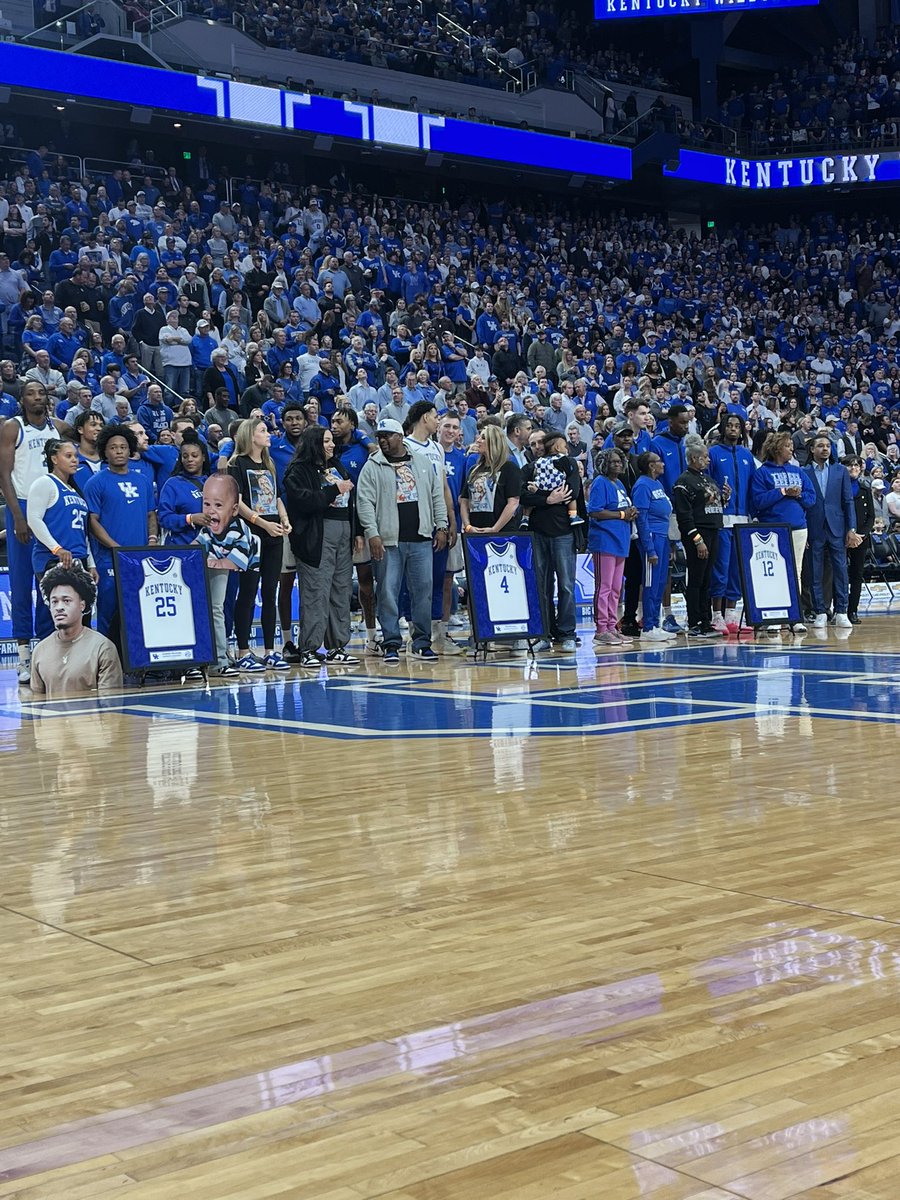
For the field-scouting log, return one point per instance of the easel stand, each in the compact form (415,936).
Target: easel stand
(484,647)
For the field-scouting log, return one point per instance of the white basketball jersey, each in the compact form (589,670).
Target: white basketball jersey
(768,570)
(504,582)
(167,614)
(29,463)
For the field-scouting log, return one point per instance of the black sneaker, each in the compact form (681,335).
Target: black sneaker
(709,631)
(630,629)
(194,673)
(854,618)
(291,653)
(391,655)
(695,631)
(425,652)
(227,672)
(341,658)
(310,659)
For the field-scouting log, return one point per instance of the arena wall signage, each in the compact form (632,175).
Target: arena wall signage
(776,174)
(605,10)
(254,105)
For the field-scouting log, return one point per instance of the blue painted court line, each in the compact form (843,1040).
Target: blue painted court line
(711,684)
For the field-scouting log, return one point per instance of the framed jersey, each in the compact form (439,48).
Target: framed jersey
(768,574)
(164,607)
(504,600)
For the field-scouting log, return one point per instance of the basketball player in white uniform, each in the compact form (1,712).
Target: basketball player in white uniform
(22,461)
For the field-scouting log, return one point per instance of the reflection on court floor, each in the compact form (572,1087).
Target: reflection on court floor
(579,694)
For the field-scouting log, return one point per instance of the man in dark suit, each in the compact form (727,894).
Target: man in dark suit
(832,527)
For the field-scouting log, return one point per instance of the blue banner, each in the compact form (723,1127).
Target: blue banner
(775,174)
(768,574)
(605,10)
(164,607)
(255,105)
(504,601)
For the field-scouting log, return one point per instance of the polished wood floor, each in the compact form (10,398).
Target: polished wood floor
(600,930)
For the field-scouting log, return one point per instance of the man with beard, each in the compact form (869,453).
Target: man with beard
(74,657)
(555,481)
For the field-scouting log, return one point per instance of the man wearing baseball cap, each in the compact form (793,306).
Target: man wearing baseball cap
(194,287)
(401,508)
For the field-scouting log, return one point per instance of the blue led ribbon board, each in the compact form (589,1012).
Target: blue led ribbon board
(257,106)
(618,10)
(777,174)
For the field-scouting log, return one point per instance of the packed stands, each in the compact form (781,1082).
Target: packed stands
(782,321)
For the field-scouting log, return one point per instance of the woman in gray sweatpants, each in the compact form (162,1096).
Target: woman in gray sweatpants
(321,506)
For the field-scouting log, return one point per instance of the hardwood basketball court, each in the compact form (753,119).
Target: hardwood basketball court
(603,928)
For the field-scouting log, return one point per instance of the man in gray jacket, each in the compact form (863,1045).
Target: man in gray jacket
(400,505)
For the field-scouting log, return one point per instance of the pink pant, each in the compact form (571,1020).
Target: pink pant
(608,573)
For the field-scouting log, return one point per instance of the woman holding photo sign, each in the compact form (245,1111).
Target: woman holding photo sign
(261,505)
(489,498)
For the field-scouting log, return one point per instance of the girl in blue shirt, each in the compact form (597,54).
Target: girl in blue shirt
(181,497)
(609,540)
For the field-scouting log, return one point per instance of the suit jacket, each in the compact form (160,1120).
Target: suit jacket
(835,513)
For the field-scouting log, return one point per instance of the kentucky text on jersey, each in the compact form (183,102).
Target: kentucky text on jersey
(773,173)
(163,589)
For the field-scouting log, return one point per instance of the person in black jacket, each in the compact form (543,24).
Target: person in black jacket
(698,507)
(148,321)
(321,507)
(548,484)
(865,523)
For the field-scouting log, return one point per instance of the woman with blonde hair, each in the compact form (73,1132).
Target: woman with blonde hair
(233,345)
(261,505)
(489,497)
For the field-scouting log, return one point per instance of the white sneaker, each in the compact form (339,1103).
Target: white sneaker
(842,621)
(718,622)
(24,671)
(821,621)
(657,635)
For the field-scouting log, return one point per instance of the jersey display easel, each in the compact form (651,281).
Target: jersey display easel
(165,611)
(504,599)
(768,575)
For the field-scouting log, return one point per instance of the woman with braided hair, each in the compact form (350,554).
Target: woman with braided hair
(609,539)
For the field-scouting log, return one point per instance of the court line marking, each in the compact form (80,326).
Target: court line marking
(554,696)
(350,733)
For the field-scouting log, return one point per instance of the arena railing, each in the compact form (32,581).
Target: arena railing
(103,167)
(19,156)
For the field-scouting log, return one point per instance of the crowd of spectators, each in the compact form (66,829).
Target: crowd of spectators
(745,311)
(168,305)
(489,43)
(847,96)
